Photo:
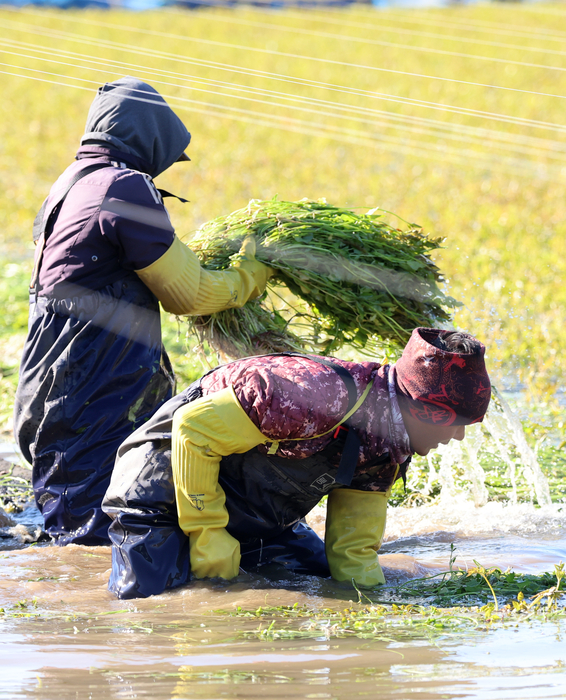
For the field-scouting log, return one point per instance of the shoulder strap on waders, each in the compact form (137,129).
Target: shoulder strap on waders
(349,458)
(41,222)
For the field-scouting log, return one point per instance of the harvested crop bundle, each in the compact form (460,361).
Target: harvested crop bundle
(356,280)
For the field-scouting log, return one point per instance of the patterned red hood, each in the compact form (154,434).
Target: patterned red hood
(441,387)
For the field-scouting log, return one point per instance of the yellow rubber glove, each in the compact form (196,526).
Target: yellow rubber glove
(258,271)
(203,432)
(183,287)
(355,523)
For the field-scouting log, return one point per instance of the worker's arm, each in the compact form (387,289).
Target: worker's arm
(133,218)
(203,432)
(355,523)
(183,287)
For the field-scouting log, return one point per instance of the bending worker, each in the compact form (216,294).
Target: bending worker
(223,474)
(93,367)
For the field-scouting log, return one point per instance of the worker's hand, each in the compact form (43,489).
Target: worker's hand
(259,272)
(355,523)
(248,248)
(214,553)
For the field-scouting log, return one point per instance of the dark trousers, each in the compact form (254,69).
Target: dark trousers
(150,552)
(91,373)
(150,555)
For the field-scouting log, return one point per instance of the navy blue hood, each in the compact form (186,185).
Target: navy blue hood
(131,116)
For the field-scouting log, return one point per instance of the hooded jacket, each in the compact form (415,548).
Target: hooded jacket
(114,221)
(93,366)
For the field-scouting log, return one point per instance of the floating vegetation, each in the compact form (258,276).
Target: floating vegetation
(365,619)
(458,586)
(356,280)
(32,609)
(378,622)
(449,605)
(394,622)
(403,620)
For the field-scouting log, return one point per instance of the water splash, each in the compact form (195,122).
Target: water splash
(457,468)
(463,456)
(499,414)
(461,518)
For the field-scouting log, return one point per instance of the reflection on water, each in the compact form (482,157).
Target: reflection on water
(73,640)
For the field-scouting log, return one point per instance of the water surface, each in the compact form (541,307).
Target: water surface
(77,641)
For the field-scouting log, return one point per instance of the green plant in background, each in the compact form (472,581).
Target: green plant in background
(364,284)
(14,286)
(14,292)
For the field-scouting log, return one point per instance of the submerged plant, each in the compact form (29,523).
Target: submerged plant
(356,280)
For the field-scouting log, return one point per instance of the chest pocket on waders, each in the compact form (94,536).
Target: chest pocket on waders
(265,494)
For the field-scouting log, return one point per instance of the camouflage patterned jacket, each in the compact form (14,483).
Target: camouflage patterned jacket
(290,397)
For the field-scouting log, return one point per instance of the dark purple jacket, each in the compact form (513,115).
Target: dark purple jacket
(112,221)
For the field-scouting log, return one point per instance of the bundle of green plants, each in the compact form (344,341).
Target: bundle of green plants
(340,278)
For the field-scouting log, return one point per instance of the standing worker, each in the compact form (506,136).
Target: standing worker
(223,473)
(94,368)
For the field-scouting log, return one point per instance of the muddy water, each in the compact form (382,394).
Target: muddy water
(65,637)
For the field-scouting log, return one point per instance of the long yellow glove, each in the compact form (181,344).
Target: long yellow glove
(183,287)
(203,432)
(355,523)
(260,272)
